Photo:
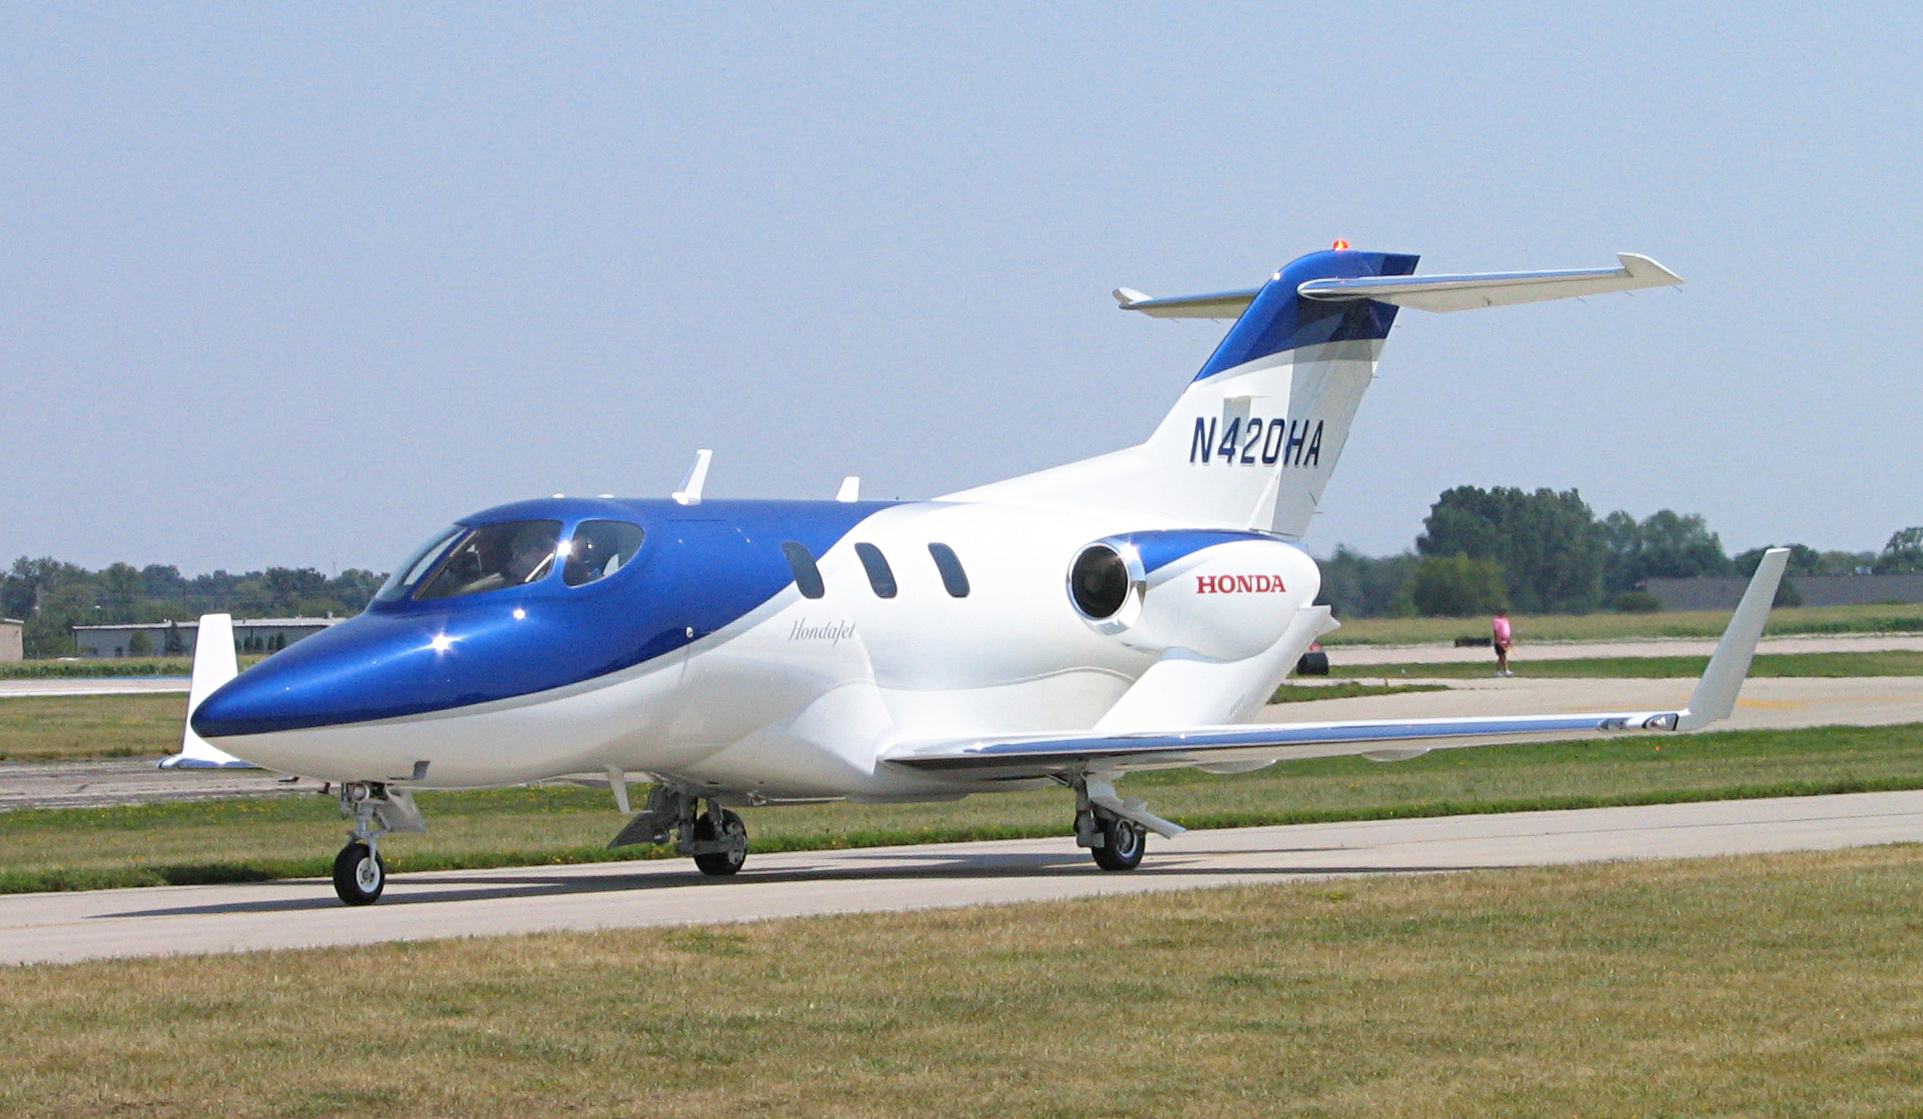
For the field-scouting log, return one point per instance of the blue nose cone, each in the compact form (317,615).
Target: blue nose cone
(384,666)
(370,667)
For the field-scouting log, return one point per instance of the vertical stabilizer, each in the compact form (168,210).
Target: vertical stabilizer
(1253,440)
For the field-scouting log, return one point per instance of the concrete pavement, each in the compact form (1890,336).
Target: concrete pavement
(37,928)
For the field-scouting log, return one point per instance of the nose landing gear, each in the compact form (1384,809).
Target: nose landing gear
(377,809)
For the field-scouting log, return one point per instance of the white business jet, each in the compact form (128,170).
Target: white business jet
(1064,628)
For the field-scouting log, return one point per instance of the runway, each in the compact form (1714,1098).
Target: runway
(215,919)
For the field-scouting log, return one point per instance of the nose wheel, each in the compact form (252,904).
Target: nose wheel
(359,874)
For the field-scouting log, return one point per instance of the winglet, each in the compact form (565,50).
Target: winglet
(697,477)
(214,665)
(850,489)
(1715,696)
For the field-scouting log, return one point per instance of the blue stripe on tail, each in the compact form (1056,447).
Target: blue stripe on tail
(1279,319)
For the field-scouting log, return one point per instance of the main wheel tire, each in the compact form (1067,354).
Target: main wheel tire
(359,874)
(722,863)
(1123,843)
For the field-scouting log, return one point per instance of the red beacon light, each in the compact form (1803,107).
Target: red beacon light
(1340,245)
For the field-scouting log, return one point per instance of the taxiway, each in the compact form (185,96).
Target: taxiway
(188,920)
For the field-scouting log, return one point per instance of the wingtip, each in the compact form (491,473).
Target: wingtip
(1645,268)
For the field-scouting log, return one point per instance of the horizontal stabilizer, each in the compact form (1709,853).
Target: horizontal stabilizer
(1460,292)
(1221,305)
(1494,289)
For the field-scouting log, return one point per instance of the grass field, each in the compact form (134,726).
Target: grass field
(47,728)
(1786,985)
(274,837)
(1892,663)
(1896,618)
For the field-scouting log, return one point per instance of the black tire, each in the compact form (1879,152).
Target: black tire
(721,863)
(1123,843)
(360,874)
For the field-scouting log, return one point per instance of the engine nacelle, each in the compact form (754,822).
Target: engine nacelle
(1225,595)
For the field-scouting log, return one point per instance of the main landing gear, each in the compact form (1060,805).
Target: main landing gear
(1115,831)
(717,838)
(377,809)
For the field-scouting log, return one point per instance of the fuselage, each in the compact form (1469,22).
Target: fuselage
(758,648)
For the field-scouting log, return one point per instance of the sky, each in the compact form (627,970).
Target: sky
(299,284)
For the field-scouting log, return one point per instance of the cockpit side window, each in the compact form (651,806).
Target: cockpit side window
(416,566)
(511,554)
(598,549)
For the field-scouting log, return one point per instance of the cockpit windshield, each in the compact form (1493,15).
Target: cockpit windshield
(467,561)
(463,561)
(495,556)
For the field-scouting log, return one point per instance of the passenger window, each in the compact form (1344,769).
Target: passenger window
(599,549)
(880,576)
(949,564)
(512,554)
(807,575)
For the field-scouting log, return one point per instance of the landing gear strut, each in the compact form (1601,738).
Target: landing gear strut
(717,838)
(377,810)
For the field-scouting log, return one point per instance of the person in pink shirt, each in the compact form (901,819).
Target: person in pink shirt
(1502,635)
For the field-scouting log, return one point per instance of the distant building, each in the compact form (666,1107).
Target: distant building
(1815,590)
(11,648)
(251,635)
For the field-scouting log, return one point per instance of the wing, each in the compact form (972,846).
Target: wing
(1038,755)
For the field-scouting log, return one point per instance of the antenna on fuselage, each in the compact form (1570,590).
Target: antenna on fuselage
(697,477)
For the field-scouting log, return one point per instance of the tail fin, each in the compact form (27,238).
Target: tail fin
(1253,441)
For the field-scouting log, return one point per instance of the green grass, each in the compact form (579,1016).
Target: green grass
(1894,663)
(1898,618)
(45,728)
(1777,986)
(277,837)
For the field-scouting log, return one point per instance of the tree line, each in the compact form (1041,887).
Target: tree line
(52,596)
(1547,553)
